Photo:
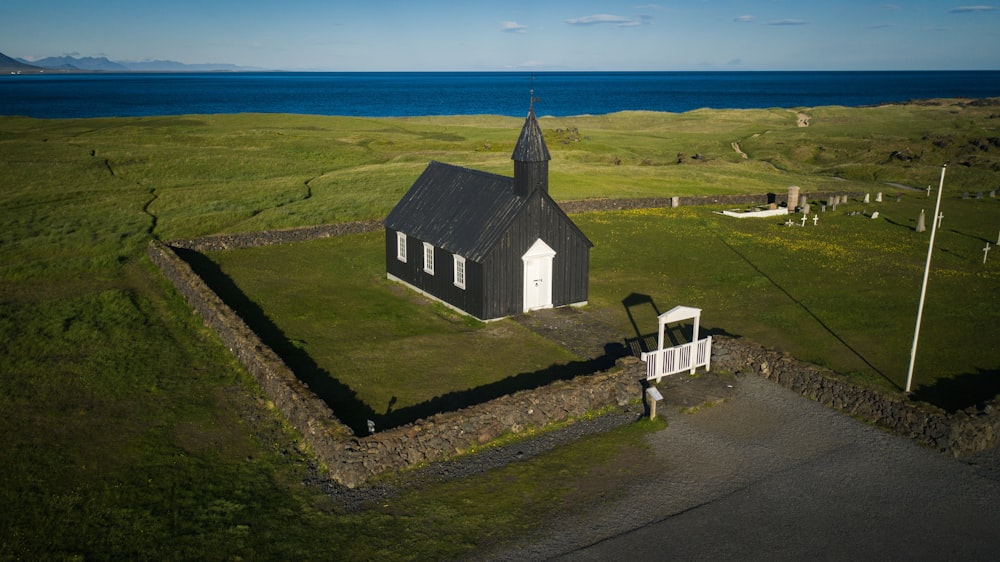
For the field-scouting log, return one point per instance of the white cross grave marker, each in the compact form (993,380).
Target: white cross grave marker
(940,218)
(804,219)
(986,251)
(815,219)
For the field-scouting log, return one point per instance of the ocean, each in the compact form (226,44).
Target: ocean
(388,94)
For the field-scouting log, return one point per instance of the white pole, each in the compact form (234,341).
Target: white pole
(923,287)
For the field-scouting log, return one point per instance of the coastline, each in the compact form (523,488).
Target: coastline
(84,94)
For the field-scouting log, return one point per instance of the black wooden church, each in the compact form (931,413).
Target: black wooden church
(489,245)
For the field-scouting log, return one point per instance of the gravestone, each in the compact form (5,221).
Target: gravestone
(675,202)
(868,198)
(878,197)
(793,197)
(965,195)
(815,220)
(875,215)
(921,222)
(899,197)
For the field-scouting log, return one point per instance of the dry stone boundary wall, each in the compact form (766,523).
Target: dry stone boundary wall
(351,460)
(956,434)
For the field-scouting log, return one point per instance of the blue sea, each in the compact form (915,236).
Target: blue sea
(385,94)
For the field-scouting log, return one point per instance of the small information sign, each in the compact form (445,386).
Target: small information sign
(654,396)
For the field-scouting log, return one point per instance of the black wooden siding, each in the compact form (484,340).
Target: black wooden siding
(495,287)
(503,269)
(442,283)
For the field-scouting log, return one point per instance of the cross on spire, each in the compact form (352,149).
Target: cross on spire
(531,94)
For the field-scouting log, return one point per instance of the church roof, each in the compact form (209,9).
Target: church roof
(457,209)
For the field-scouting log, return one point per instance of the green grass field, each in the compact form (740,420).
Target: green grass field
(129,432)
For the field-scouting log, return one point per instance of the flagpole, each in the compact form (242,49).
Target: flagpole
(923,287)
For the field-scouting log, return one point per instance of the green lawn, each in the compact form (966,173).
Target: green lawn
(129,432)
(842,292)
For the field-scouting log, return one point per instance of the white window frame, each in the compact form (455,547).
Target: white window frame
(459,272)
(428,258)
(401,247)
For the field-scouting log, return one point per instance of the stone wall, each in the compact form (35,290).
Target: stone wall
(352,460)
(590,205)
(271,237)
(956,434)
(234,241)
(444,435)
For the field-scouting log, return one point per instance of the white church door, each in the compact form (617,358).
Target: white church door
(538,276)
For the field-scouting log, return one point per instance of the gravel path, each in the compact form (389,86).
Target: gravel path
(771,475)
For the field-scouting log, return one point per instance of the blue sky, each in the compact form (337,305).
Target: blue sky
(389,35)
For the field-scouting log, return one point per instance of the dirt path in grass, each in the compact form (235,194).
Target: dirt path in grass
(736,147)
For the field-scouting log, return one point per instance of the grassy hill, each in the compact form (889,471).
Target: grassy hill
(129,432)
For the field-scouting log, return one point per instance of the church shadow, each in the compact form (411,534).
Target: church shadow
(954,394)
(457,400)
(338,396)
(344,401)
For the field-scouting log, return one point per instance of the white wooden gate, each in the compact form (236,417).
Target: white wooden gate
(677,359)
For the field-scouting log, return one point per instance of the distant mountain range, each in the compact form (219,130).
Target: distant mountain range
(103,64)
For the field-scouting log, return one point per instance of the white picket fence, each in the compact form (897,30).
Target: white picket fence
(673,360)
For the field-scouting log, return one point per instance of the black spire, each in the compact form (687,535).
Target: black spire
(531,158)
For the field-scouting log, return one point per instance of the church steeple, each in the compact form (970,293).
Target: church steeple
(531,158)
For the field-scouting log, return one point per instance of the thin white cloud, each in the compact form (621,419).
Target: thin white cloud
(743,19)
(609,19)
(788,22)
(891,7)
(512,27)
(966,9)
